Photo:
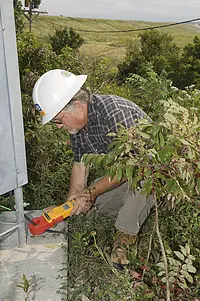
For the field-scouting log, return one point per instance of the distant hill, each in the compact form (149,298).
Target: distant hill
(109,44)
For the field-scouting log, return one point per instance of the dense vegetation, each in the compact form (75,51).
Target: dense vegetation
(164,80)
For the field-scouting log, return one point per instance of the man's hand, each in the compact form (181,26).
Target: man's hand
(47,209)
(83,202)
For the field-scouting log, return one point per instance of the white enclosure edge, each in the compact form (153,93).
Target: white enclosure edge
(13,170)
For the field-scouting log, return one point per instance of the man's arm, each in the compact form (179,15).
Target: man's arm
(78,179)
(103,185)
(87,197)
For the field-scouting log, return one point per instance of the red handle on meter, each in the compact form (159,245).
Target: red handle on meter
(40,225)
(49,219)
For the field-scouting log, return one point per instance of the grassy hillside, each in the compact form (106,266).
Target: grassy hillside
(109,44)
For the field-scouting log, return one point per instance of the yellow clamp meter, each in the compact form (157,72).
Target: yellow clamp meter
(59,213)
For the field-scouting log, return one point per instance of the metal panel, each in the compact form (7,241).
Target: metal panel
(13,172)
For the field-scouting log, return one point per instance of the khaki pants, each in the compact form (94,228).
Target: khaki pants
(130,209)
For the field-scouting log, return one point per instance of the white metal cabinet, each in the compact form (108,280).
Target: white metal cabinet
(13,171)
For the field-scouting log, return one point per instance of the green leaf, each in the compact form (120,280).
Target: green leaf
(171,279)
(188,261)
(155,130)
(108,259)
(112,171)
(191,154)
(110,158)
(182,283)
(158,175)
(119,172)
(183,250)
(184,267)
(172,274)
(171,118)
(161,273)
(175,269)
(185,142)
(128,148)
(198,186)
(147,172)
(165,153)
(161,138)
(149,295)
(160,264)
(129,172)
(152,152)
(144,135)
(174,262)
(191,269)
(179,255)
(187,276)
(164,279)
(87,159)
(99,159)
(191,257)
(19,285)
(112,134)
(187,248)
(147,187)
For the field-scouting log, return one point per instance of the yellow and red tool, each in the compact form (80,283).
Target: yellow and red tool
(49,219)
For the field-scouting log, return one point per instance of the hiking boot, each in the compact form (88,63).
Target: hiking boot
(122,244)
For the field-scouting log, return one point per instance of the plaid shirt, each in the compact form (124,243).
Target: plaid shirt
(105,112)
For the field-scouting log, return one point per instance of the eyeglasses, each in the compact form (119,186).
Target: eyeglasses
(57,120)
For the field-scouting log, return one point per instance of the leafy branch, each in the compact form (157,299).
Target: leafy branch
(180,269)
(162,157)
(25,284)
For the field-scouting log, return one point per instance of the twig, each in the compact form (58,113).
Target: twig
(150,241)
(104,83)
(104,258)
(150,244)
(162,249)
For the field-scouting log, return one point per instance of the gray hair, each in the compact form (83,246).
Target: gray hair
(84,96)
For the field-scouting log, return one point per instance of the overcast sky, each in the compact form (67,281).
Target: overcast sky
(145,10)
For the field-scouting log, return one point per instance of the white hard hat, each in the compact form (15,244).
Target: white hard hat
(54,90)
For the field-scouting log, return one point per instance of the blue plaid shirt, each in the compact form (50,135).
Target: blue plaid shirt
(105,113)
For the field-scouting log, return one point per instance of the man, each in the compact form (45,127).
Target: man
(88,119)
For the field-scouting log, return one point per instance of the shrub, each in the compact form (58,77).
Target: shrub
(152,47)
(65,37)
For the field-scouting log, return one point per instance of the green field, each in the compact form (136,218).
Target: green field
(109,44)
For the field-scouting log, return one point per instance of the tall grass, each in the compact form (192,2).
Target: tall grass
(112,45)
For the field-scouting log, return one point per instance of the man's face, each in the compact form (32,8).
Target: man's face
(73,120)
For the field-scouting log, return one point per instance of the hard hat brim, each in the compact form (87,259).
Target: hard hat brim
(79,81)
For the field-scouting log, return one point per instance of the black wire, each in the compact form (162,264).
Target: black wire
(131,30)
